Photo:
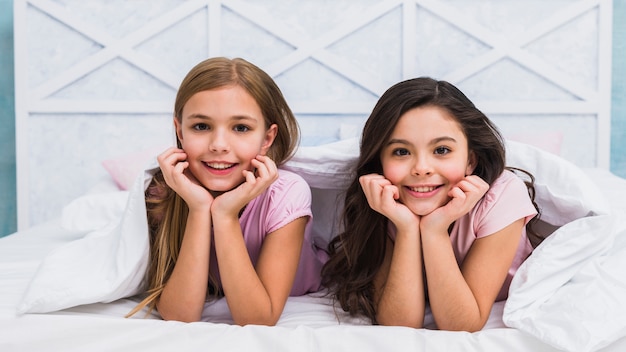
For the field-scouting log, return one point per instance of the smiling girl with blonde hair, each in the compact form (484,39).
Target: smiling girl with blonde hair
(224,220)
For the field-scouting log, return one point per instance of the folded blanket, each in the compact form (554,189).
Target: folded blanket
(108,263)
(571,292)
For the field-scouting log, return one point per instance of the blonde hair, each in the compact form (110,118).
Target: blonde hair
(166,210)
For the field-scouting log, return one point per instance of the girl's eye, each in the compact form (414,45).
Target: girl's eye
(200,127)
(241,128)
(442,150)
(400,152)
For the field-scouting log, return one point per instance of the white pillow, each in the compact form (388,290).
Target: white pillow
(564,192)
(328,170)
(326,166)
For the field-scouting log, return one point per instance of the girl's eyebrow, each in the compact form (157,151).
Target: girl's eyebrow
(443,139)
(243,117)
(398,141)
(236,117)
(197,116)
(434,141)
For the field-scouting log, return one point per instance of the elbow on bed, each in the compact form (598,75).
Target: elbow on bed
(185,317)
(267,317)
(181,318)
(400,321)
(267,321)
(467,326)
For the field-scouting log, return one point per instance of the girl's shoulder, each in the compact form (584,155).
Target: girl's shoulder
(286,199)
(288,191)
(288,180)
(506,199)
(507,182)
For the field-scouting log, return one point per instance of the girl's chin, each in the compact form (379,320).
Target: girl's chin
(423,210)
(218,188)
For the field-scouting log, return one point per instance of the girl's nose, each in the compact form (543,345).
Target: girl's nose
(422,167)
(219,142)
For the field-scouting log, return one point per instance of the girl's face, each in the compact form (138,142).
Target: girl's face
(425,157)
(222,130)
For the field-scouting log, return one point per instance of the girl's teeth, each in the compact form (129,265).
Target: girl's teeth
(422,189)
(220,166)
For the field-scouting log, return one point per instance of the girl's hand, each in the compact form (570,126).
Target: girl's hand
(255,183)
(464,197)
(174,165)
(382,196)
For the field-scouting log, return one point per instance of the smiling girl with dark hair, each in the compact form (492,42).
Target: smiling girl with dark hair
(432,215)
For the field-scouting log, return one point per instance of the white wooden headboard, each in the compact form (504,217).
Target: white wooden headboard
(97,79)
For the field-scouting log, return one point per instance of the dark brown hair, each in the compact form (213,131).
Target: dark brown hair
(358,252)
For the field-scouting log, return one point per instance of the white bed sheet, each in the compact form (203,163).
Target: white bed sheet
(309,323)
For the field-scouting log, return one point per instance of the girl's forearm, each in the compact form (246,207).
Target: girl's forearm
(402,295)
(247,298)
(185,292)
(452,302)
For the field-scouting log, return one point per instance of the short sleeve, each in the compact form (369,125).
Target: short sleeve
(289,199)
(506,201)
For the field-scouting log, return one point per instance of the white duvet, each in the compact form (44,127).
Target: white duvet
(570,294)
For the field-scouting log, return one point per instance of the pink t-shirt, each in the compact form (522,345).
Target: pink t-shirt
(506,201)
(284,201)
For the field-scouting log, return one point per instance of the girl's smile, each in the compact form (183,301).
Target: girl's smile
(422,191)
(427,155)
(221,131)
(220,168)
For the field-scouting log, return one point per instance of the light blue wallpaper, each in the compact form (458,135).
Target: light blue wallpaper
(618,110)
(8,217)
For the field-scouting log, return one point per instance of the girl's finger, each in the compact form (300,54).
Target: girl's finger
(270,166)
(250,177)
(457,193)
(169,151)
(390,192)
(171,158)
(180,167)
(261,169)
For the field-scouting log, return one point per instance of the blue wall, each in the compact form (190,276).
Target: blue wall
(8,213)
(618,108)
(8,217)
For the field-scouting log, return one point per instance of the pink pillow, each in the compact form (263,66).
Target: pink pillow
(548,141)
(125,169)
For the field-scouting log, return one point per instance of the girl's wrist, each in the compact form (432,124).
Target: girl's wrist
(220,212)
(202,208)
(410,229)
(224,221)
(433,229)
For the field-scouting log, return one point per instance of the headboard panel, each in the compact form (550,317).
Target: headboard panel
(97,79)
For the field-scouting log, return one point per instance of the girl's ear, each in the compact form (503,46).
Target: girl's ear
(179,129)
(270,135)
(471,163)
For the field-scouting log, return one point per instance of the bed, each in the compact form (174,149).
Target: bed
(65,282)
(94,88)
